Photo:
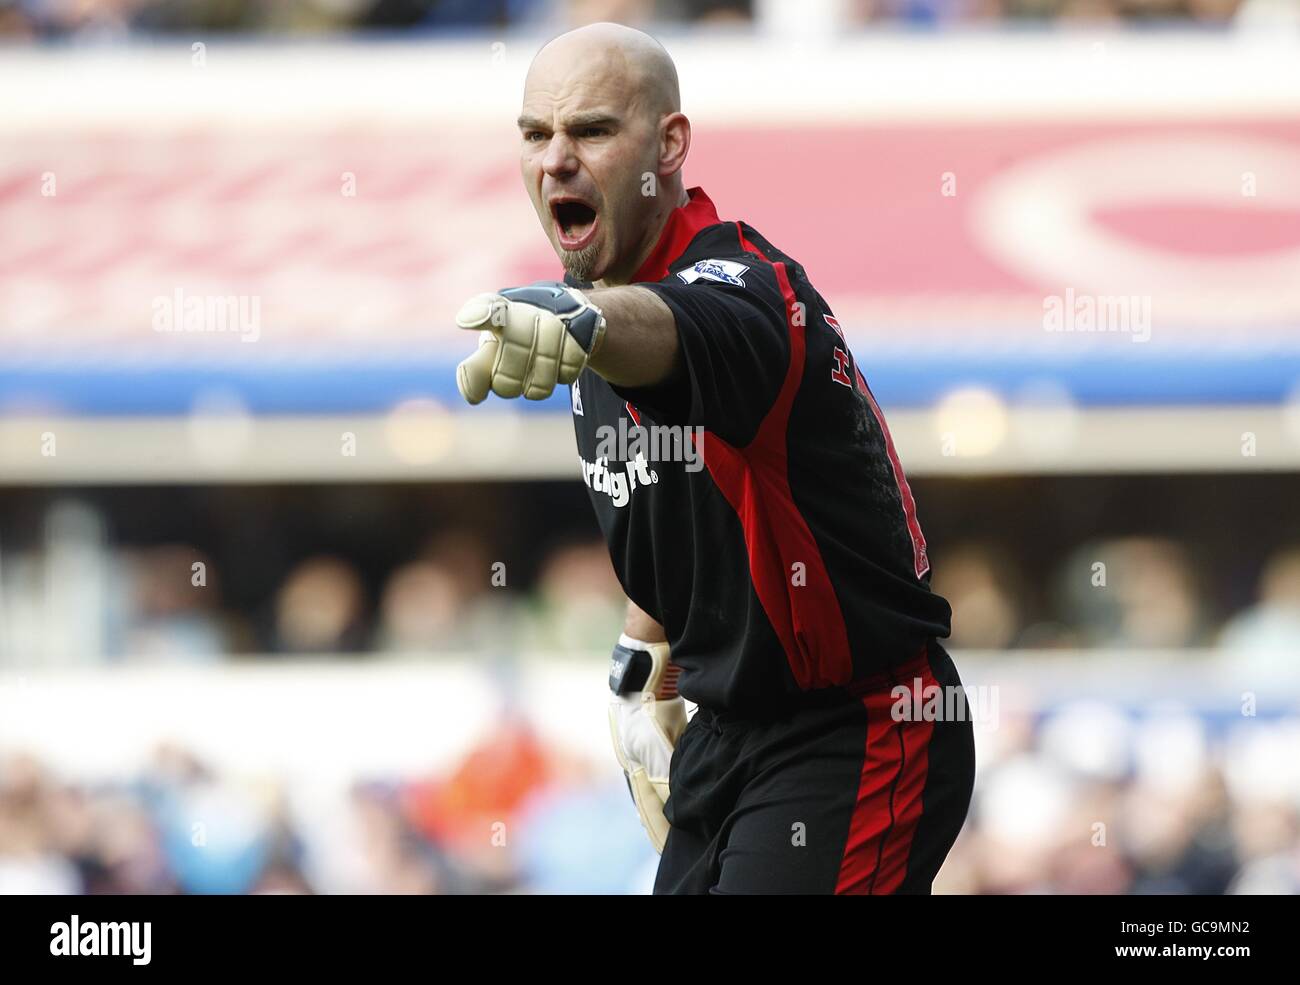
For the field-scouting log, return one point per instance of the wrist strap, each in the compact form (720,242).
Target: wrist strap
(637,665)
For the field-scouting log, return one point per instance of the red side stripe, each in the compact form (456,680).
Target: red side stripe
(895,764)
(755,480)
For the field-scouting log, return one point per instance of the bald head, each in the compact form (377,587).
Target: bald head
(603,144)
(615,52)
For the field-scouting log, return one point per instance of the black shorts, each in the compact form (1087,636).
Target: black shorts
(847,798)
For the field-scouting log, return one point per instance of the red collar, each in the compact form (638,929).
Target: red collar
(682,225)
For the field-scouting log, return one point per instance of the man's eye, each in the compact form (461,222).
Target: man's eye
(532,136)
(595,131)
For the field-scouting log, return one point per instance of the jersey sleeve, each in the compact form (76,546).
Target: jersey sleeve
(734,346)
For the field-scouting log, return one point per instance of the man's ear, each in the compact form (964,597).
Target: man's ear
(674,143)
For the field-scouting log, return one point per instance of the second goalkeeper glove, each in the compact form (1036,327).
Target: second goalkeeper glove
(646,718)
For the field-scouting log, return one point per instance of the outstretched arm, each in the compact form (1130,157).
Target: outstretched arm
(639,347)
(708,353)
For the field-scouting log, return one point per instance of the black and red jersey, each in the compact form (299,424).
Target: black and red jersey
(787,557)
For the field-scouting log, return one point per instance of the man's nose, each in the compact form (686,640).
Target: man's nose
(559,160)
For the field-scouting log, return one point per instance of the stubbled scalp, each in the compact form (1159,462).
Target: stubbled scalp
(633,54)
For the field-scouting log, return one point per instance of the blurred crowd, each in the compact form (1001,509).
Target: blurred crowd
(167,602)
(1080,799)
(1134,593)
(1086,799)
(514,816)
(451,593)
(106,19)
(1142,794)
(1126,795)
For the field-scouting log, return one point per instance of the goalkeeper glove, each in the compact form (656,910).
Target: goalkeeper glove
(646,717)
(531,338)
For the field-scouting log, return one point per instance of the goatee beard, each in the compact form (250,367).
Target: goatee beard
(580,264)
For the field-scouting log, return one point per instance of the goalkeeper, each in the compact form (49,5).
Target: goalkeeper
(783,587)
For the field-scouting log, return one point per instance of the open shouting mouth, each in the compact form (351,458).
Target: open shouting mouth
(575,222)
